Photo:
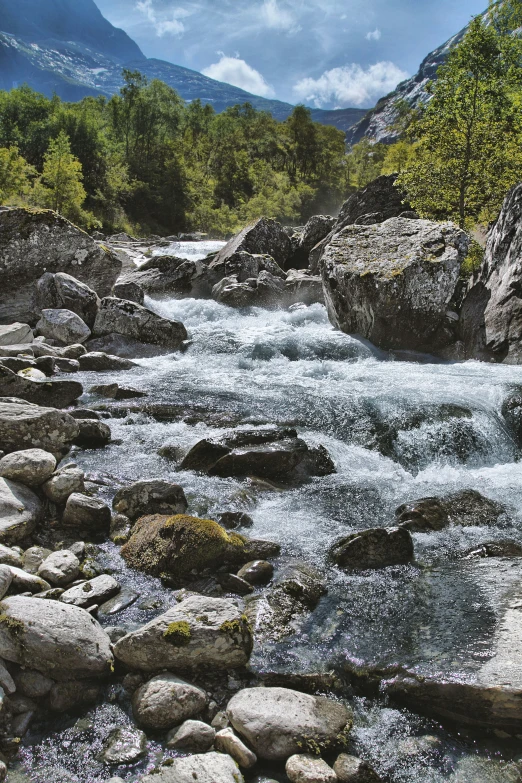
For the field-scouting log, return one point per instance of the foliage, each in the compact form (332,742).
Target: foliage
(15,175)
(60,186)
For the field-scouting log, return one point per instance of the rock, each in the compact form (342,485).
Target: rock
(264,237)
(243,266)
(175,547)
(34,557)
(63,292)
(60,568)
(350,769)
(20,512)
(31,467)
(121,601)
(163,275)
(166,701)
(116,392)
(375,548)
(33,684)
(317,228)
(39,241)
(10,556)
(130,291)
(124,745)
(46,393)
(512,413)
(65,696)
(257,572)
(95,591)
(467,509)
(64,326)
(64,483)
(86,514)
(32,374)
(392,283)
(228,742)
(62,642)
(198,632)
(120,528)
(278,722)
(85,413)
(97,361)
(303,287)
(150,497)
(132,320)
(24,582)
(25,425)
(93,434)
(125,347)
(65,365)
(303,768)
(231,583)
(6,577)
(14,334)
(206,768)
(16,364)
(231,520)
(193,736)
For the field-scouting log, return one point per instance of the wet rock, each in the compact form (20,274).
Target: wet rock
(150,497)
(512,413)
(243,266)
(128,348)
(24,582)
(95,591)
(121,601)
(496,549)
(198,632)
(131,320)
(63,292)
(93,434)
(163,275)
(175,547)
(234,584)
(30,467)
(35,242)
(120,529)
(64,326)
(317,228)
(63,365)
(60,568)
(62,642)
(301,287)
(20,512)
(264,237)
(231,520)
(33,684)
(303,768)
(86,514)
(97,361)
(206,768)
(15,334)
(257,572)
(228,742)
(46,393)
(350,769)
(65,482)
(375,548)
(392,283)
(466,509)
(132,292)
(65,696)
(116,392)
(124,746)
(166,701)
(278,722)
(260,549)
(193,736)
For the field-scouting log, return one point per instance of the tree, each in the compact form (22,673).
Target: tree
(60,187)
(468,151)
(15,174)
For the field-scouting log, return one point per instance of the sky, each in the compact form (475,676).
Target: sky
(325,53)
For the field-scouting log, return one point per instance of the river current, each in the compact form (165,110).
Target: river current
(398,428)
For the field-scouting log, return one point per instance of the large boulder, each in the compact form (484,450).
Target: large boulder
(278,722)
(60,394)
(20,512)
(392,283)
(64,326)
(27,426)
(491,316)
(63,292)
(197,633)
(168,275)
(174,547)
(263,291)
(31,467)
(33,242)
(244,266)
(132,320)
(264,237)
(206,768)
(153,496)
(60,641)
(317,228)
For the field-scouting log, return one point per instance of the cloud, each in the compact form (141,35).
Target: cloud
(278,18)
(234,70)
(164,24)
(374,36)
(350,85)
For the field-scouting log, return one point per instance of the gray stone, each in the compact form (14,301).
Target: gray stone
(45,392)
(30,467)
(193,736)
(228,742)
(87,514)
(63,292)
(126,347)
(10,556)
(65,696)
(64,326)
(375,548)
(6,577)
(197,632)
(278,723)
(167,701)
(93,434)
(64,483)
(116,392)
(60,641)
(350,769)
(34,557)
(25,426)
(304,288)
(97,361)
(303,768)
(24,582)
(14,334)
(65,365)
(150,497)
(264,237)
(132,320)
(125,745)
(129,290)
(206,768)
(243,266)
(257,572)
(95,591)
(20,512)
(467,508)
(6,680)
(33,684)
(125,598)
(60,568)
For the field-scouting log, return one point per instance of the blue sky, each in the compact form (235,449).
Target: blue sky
(326,53)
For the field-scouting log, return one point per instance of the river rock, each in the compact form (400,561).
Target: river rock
(206,768)
(317,228)
(197,632)
(350,769)
(6,578)
(278,722)
(133,320)
(166,701)
(264,237)
(10,556)
(228,742)
(33,242)
(25,582)
(466,509)
(303,768)
(175,547)
(93,434)
(73,694)
(512,413)
(126,597)
(31,467)
(257,572)
(302,287)
(125,347)
(63,292)
(25,426)
(33,684)
(375,548)
(129,290)
(95,591)
(154,496)
(97,361)
(20,512)
(243,266)
(87,515)
(34,557)
(124,745)
(64,483)
(57,393)
(60,568)
(392,283)
(62,642)
(193,736)
(163,275)
(14,334)
(64,326)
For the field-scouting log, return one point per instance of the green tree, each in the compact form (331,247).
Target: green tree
(15,174)
(60,187)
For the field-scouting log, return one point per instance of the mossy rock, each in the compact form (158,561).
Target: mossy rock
(178,634)
(174,547)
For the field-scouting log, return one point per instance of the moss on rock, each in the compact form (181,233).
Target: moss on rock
(178,634)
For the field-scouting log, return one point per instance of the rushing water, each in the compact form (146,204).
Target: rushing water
(195,251)
(397,430)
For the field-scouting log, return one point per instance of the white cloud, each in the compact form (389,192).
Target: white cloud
(375,35)
(164,24)
(233,70)
(350,85)
(278,18)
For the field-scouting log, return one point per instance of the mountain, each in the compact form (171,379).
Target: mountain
(67,47)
